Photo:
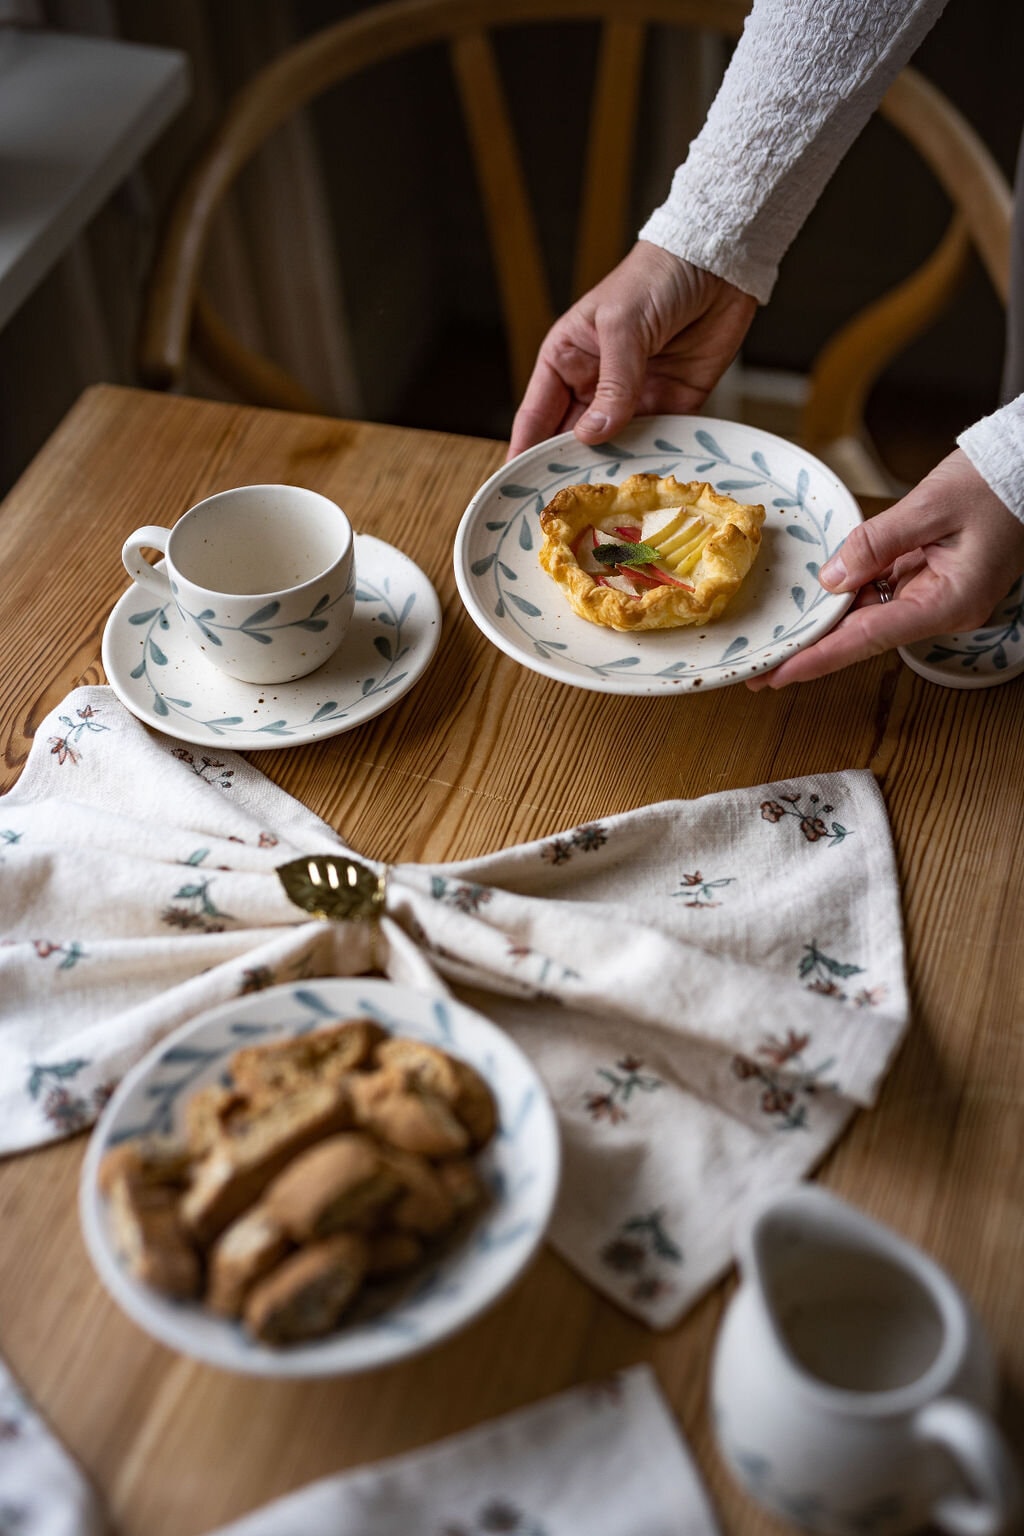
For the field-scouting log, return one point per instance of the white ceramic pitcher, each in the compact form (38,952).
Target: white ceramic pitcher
(851,1385)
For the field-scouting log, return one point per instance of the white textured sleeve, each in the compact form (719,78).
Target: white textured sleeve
(804,79)
(995,446)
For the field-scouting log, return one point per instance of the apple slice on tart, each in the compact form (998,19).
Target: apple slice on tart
(651,553)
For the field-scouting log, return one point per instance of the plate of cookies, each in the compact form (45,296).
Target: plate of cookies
(320,1178)
(682,556)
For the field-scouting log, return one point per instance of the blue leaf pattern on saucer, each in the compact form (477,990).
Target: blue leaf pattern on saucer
(155,670)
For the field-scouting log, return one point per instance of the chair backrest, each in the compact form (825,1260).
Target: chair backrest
(176,315)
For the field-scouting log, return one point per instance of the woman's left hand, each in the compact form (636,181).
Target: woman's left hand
(949,550)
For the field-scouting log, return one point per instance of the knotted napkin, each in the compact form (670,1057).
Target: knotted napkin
(708,988)
(605,1459)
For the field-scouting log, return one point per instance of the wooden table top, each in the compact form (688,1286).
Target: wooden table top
(460,767)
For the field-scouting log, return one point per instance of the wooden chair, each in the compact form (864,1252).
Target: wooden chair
(177,316)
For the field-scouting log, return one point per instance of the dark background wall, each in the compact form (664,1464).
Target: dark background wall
(420,294)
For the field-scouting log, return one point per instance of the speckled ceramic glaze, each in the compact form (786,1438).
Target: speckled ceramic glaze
(263,577)
(851,1384)
(779,609)
(979,658)
(520,1166)
(167,682)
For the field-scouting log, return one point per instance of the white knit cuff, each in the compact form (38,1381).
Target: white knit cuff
(995,446)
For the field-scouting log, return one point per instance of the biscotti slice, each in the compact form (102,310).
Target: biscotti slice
(424,1204)
(239,1166)
(466,1189)
(208,1116)
(391,1253)
(243,1254)
(391,1105)
(344,1181)
(147,1232)
(451,1079)
(305,1296)
(156,1160)
(284,1065)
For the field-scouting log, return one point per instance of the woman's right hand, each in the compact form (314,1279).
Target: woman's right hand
(653,337)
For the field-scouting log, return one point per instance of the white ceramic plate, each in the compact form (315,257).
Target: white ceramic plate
(981,658)
(521,1167)
(779,610)
(160,676)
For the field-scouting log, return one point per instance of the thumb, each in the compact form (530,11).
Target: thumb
(870,549)
(622,361)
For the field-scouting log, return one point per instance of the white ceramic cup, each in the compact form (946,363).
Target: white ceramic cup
(263,576)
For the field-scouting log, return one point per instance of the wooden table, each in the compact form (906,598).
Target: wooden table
(461,767)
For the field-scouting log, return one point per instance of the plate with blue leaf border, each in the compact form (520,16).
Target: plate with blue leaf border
(780,608)
(520,1166)
(978,658)
(160,676)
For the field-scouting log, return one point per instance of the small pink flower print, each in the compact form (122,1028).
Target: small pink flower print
(44,949)
(268,840)
(62,750)
(869,997)
(629,1063)
(624,1256)
(66,1112)
(812,828)
(695,879)
(649,1288)
(825,988)
(780,1051)
(811,822)
(601,1106)
(557,851)
(776,1100)
(589,837)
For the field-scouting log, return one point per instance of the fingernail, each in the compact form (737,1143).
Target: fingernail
(594,421)
(833,572)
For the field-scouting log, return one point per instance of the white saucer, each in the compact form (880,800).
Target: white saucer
(157,674)
(981,658)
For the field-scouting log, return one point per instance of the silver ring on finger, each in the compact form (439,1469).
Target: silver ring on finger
(884,591)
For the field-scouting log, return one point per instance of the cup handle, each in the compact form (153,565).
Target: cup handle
(980,1453)
(136,564)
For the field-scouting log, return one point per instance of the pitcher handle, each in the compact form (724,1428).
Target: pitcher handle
(981,1455)
(136,564)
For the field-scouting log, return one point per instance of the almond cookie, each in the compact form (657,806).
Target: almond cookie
(453,1080)
(148,1234)
(345,1181)
(243,1254)
(239,1166)
(392,1105)
(283,1065)
(306,1295)
(650,553)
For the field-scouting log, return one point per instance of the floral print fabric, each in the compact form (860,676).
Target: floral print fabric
(709,988)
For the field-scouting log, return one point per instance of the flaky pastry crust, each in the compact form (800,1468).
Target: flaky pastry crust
(725,559)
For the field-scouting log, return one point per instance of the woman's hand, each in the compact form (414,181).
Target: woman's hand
(654,336)
(950,551)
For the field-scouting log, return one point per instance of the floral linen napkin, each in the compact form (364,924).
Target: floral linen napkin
(709,988)
(605,1459)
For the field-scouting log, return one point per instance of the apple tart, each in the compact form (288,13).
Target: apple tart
(650,553)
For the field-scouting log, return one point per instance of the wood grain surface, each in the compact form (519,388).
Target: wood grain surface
(481,754)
